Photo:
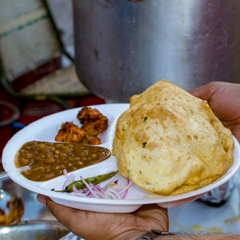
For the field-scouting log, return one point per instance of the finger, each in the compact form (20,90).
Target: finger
(156,217)
(41,199)
(205,92)
(69,217)
(61,212)
(86,224)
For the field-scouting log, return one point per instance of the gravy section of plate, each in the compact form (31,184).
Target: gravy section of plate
(47,160)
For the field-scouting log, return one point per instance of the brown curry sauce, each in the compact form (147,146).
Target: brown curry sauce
(48,160)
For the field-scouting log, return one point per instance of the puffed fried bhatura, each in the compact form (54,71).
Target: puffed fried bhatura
(170,142)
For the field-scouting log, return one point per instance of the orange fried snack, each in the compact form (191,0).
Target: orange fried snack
(93,122)
(94,141)
(71,133)
(88,114)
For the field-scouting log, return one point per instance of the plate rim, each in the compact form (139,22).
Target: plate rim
(163,199)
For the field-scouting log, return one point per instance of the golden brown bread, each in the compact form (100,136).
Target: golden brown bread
(170,142)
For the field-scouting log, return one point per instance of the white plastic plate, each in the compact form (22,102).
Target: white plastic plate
(46,129)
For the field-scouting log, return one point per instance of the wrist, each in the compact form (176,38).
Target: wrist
(142,234)
(130,235)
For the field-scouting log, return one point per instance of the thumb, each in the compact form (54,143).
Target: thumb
(205,92)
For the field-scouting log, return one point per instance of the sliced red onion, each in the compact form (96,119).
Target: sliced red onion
(112,190)
(88,187)
(69,180)
(99,191)
(125,190)
(78,192)
(114,193)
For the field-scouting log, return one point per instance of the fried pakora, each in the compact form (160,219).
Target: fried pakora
(71,133)
(94,141)
(88,114)
(93,122)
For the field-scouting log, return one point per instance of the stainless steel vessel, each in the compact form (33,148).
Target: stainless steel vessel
(123,46)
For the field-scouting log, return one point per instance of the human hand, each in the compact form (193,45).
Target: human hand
(224,100)
(93,225)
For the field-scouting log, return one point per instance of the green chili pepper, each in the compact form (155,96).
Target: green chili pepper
(94,180)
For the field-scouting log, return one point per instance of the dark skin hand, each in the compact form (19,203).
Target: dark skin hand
(224,99)
(103,226)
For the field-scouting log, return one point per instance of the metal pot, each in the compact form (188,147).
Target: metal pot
(122,46)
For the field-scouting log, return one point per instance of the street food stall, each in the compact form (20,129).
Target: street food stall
(121,48)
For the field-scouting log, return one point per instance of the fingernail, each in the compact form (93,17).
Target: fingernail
(41,199)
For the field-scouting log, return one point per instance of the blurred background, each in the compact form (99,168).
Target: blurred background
(38,77)
(118,48)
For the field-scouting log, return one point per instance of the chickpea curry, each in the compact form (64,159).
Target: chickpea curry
(48,159)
